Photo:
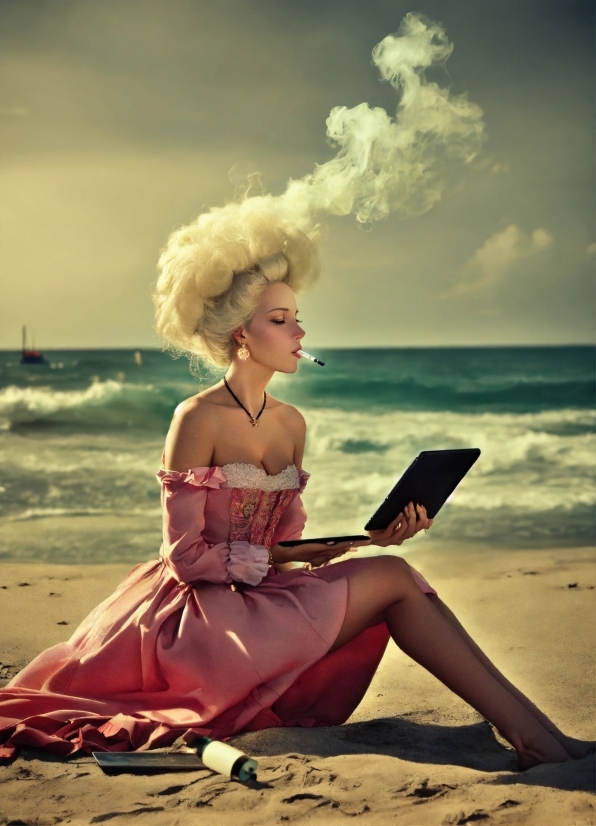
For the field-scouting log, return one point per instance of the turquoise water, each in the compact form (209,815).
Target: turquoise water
(82,436)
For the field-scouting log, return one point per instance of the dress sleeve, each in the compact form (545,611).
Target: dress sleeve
(184,551)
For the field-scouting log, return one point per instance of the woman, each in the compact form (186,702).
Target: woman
(223,633)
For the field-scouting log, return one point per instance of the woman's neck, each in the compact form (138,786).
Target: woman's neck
(248,381)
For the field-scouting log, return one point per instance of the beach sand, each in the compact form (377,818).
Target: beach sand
(413,753)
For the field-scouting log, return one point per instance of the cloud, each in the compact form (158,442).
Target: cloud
(495,259)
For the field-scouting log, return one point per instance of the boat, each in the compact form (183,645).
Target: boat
(29,355)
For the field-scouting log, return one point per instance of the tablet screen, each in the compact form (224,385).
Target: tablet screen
(430,480)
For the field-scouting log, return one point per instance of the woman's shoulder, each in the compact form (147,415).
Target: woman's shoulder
(293,417)
(286,414)
(192,414)
(195,406)
(190,438)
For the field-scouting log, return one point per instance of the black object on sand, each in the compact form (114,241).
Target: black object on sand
(206,754)
(138,762)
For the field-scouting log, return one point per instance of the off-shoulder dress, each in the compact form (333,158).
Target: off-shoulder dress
(178,649)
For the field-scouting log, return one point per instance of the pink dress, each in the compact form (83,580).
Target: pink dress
(180,649)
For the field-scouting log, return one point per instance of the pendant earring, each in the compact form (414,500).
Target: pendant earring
(243,352)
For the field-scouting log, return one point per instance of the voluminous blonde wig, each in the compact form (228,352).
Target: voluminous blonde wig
(213,272)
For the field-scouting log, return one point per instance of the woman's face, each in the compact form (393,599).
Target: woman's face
(273,334)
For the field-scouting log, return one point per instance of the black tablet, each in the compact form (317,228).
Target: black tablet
(324,540)
(430,480)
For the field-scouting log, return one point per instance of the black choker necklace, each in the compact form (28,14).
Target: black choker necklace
(253,421)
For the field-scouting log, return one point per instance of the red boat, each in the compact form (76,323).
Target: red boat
(30,356)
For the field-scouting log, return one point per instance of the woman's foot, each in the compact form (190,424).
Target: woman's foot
(576,749)
(546,751)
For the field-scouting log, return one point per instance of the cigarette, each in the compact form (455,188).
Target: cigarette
(310,358)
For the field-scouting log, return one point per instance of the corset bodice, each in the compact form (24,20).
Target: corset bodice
(258,500)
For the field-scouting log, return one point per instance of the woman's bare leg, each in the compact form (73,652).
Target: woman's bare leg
(385,586)
(575,748)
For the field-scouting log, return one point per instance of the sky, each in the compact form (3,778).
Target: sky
(122,120)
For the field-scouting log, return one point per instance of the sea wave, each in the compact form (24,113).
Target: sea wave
(525,395)
(80,444)
(535,474)
(104,405)
(111,405)
(536,471)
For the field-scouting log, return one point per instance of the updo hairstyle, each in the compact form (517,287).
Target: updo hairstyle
(213,272)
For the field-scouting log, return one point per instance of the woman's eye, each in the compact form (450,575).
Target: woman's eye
(283,321)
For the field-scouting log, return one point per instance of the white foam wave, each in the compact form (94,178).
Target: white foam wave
(536,472)
(526,464)
(30,404)
(27,403)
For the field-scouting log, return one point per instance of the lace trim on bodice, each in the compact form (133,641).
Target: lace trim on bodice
(242,475)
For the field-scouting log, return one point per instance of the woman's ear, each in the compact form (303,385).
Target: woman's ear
(238,335)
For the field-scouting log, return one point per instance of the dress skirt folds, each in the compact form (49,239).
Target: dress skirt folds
(206,639)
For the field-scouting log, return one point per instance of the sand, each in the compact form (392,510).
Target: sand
(412,753)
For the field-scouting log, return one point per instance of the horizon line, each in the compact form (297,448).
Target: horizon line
(18,350)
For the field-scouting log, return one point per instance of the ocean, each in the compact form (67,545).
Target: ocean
(81,440)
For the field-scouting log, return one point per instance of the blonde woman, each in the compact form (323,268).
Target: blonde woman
(228,631)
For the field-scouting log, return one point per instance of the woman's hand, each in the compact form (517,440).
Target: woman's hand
(314,553)
(404,526)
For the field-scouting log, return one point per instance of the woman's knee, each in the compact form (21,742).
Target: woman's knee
(375,583)
(393,573)
(379,581)
(395,566)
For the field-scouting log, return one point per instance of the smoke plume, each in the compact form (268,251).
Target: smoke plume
(392,164)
